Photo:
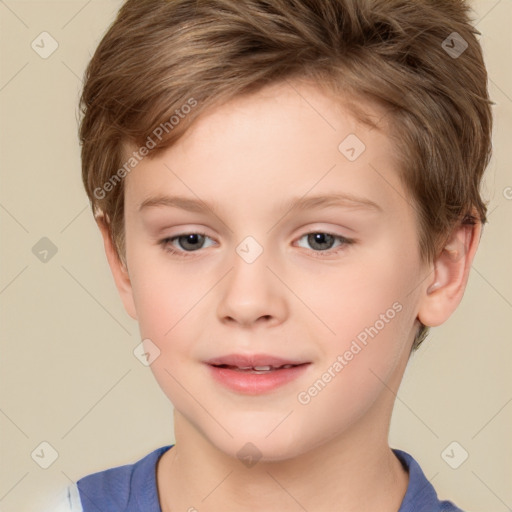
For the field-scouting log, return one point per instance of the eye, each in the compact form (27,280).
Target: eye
(323,242)
(190,242)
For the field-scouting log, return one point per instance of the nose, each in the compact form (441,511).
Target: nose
(252,294)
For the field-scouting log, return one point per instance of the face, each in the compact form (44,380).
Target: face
(305,255)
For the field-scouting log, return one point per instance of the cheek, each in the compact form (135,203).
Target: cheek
(370,343)
(353,297)
(170,309)
(166,296)
(367,313)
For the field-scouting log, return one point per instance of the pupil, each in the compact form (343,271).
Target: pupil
(191,239)
(320,240)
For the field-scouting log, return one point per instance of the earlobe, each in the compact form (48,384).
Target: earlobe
(118,269)
(445,287)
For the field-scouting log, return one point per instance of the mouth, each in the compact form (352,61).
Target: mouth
(254,362)
(258,369)
(255,374)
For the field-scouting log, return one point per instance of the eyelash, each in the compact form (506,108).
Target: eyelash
(318,254)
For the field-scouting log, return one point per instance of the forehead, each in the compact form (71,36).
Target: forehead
(287,140)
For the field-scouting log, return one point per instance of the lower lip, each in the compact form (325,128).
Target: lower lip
(256,383)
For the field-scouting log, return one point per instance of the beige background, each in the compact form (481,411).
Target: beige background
(68,374)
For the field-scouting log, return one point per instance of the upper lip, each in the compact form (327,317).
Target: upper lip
(252,360)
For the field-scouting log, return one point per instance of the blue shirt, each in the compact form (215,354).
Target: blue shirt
(133,488)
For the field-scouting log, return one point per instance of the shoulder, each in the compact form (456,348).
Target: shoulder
(421,495)
(126,487)
(68,500)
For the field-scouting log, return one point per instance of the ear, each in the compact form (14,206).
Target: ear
(443,292)
(118,268)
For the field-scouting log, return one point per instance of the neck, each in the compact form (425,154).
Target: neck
(354,472)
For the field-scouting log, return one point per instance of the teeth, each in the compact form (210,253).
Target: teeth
(266,368)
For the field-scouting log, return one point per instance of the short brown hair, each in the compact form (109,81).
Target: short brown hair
(419,59)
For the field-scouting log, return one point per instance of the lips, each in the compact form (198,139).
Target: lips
(255,374)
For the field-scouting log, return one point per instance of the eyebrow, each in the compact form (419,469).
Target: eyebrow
(294,204)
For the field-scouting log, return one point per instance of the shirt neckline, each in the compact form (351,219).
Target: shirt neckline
(419,489)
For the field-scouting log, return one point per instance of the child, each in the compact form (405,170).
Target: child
(325,156)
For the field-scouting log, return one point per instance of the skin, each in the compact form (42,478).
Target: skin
(250,156)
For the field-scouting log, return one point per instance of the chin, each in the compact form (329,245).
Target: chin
(251,445)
